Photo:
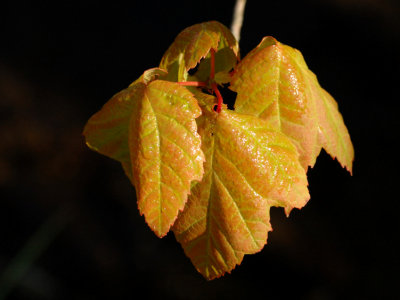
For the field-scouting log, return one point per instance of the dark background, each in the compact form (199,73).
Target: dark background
(61,61)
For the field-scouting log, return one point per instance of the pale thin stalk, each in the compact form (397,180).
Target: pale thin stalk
(238,18)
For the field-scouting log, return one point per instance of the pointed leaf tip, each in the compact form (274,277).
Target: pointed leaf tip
(165,152)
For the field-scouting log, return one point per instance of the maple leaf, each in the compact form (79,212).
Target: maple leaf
(249,167)
(274,83)
(150,128)
(194,43)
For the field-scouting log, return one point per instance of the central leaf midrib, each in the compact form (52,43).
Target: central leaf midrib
(209,207)
(158,161)
(279,91)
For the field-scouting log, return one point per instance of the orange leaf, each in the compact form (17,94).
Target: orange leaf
(249,168)
(273,82)
(193,44)
(150,128)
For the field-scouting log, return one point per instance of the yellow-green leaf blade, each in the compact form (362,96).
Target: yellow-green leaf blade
(249,167)
(193,44)
(107,131)
(165,152)
(274,83)
(333,135)
(150,128)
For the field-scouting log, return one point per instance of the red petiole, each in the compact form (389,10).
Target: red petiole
(193,83)
(212,70)
(219,97)
(217,108)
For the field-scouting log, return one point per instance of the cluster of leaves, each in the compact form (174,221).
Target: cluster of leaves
(209,173)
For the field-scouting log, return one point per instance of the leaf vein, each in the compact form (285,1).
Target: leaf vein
(237,208)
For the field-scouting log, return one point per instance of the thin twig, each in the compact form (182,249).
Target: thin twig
(219,97)
(192,83)
(238,18)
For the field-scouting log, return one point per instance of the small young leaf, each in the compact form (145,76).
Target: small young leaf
(151,129)
(225,61)
(274,83)
(249,168)
(222,77)
(193,44)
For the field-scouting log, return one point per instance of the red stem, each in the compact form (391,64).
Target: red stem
(192,83)
(219,97)
(212,71)
(214,86)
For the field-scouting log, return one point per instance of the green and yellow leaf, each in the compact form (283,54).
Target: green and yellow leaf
(249,167)
(194,43)
(273,82)
(150,128)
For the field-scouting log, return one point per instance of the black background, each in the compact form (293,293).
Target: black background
(61,61)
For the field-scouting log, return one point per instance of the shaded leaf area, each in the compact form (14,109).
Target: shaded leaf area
(249,168)
(193,44)
(273,82)
(151,129)
(225,61)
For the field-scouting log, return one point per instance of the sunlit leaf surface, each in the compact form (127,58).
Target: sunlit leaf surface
(273,82)
(151,129)
(249,168)
(209,173)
